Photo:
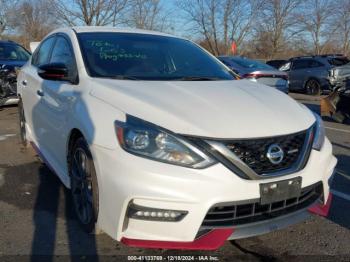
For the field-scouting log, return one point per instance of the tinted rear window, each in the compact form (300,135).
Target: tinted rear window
(301,63)
(276,63)
(338,61)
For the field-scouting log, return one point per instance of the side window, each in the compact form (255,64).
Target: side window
(300,64)
(62,53)
(42,55)
(314,63)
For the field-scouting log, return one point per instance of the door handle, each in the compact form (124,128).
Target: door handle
(40,93)
(24,82)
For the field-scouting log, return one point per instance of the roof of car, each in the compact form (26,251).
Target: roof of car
(96,29)
(85,29)
(11,43)
(230,56)
(277,60)
(8,42)
(318,56)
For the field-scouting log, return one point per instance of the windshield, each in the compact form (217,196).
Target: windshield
(251,64)
(148,57)
(285,67)
(13,52)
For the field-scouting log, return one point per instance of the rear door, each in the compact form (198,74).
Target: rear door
(317,70)
(298,73)
(31,84)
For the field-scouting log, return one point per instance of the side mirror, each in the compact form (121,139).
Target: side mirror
(54,71)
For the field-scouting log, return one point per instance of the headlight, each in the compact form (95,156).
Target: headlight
(319,133)
(147,140)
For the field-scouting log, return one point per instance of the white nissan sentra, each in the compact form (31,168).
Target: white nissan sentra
(163,147)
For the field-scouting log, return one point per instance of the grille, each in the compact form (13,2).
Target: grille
(224,215)
(253,152)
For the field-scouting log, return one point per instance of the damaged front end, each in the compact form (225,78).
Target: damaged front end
(337,103)
(8,85)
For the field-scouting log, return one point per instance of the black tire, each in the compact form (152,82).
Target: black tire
(313,87)
(84,187)
(22,123)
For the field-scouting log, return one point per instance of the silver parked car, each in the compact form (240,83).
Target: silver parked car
(257,71)
(310,74)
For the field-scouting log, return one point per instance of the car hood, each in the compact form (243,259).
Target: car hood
(216,109)
(242,71)
(12,64)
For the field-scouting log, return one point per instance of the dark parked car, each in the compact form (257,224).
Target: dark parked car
(257,71)
(310,73)
(12,56)
(276,63)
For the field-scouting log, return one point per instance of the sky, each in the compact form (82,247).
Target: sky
(178,19)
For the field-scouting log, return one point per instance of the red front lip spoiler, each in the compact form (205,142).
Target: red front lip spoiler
(211,241)
(322,210)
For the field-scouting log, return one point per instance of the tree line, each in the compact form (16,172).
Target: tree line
(264,29)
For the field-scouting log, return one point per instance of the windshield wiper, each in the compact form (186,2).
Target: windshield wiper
(185,78)
(197,78)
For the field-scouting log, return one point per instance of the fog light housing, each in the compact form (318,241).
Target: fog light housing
(155,214)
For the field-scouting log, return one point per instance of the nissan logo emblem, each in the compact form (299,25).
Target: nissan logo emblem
(275,154)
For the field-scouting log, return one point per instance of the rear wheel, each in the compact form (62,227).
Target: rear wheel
(313,87)
(22,124)
(84,186)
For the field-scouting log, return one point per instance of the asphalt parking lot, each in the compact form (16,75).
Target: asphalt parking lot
(37,220)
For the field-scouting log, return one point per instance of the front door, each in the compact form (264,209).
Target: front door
(31,85)
(56,102)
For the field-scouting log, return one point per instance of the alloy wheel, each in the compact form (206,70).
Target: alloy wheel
(82,186)
(313,87)
(22,124)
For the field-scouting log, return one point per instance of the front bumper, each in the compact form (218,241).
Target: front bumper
(10,101)
(124,178)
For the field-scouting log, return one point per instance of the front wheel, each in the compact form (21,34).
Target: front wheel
(313,87)
(84,186)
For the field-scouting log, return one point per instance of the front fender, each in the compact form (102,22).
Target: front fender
(95,119)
